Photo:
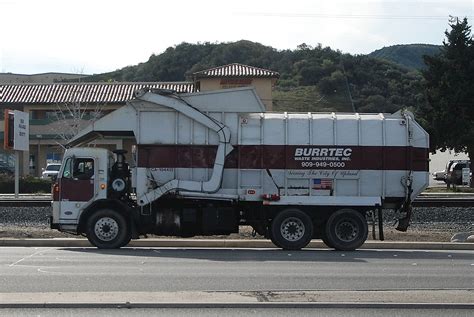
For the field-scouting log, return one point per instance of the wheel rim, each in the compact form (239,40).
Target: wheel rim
(347,230)
(106,229)
(292,229)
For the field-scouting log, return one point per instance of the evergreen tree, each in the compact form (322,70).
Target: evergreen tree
(450,91)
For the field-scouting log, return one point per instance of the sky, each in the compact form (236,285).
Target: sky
(96,36)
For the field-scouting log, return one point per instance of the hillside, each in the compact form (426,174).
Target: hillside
(410,56)
(311,78)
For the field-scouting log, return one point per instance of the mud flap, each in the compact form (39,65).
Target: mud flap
(407,209)
(405,217)
(380,218)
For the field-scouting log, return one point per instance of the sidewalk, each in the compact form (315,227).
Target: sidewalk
(445,299)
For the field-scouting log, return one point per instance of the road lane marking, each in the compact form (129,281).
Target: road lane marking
(28,257)
(43,270)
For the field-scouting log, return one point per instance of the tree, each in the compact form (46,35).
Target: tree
(71,118)
(449,88)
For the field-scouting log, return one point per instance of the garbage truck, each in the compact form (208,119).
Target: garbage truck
(207,163)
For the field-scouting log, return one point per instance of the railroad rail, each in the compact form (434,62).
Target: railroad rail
(444,202)
(421,201)
(25,202)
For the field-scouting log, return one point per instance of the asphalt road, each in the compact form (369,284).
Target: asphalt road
(162,269)
(209,312)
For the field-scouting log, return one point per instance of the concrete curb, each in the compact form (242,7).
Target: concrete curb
(442,299)
(228,243)
(267,305)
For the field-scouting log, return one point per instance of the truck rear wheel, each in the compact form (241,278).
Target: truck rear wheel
(346,230)
(324,237)
(108,229)
(291,229)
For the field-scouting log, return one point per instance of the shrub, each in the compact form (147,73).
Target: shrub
(28,185)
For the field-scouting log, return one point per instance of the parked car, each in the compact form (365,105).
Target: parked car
(454,172)
(440,176)
(51,171)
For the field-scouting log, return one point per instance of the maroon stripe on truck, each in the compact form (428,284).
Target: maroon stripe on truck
(287,157)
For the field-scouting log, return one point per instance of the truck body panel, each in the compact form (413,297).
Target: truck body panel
(215,147)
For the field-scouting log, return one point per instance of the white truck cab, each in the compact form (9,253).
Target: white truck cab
(82,180)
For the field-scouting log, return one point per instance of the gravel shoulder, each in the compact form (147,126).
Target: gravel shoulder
(413,234)
(428,224)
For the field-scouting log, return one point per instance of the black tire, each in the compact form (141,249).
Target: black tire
(291,229)
(346,230)
(272,238)
(324,237)
(108,229)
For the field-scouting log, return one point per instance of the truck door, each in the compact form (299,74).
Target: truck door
(76,186)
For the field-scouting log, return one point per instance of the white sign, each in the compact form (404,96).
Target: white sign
(21,131)
(465,175)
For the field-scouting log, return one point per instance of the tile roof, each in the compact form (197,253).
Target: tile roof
(80,92)
(236,70)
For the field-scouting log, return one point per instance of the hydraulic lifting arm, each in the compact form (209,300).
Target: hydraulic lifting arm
(213,184)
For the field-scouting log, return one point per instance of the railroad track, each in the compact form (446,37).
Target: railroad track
(22,202)
(444,202)
(421,201)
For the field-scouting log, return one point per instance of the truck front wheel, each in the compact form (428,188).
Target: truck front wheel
(108,229)
(291,229)
(346,230)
